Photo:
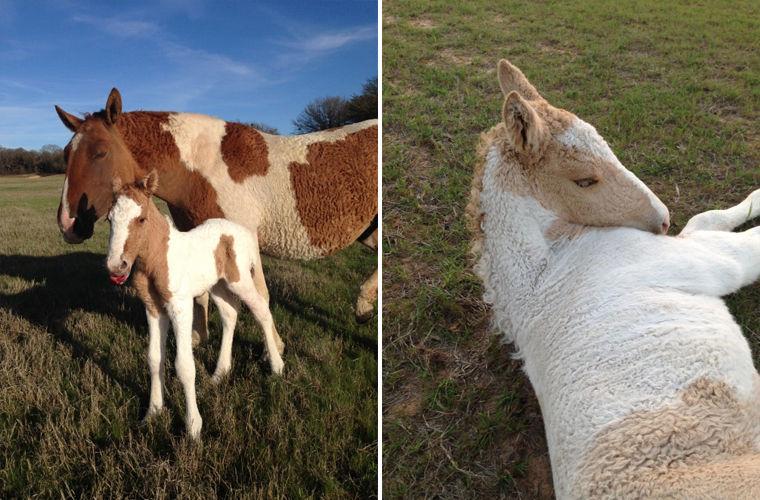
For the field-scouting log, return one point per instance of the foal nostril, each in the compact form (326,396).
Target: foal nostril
(123,265)
(665,227)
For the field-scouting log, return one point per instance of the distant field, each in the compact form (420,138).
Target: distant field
(674,89)
(74,380)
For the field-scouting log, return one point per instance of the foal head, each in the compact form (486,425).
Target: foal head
(562,162)
(95,155)
(130,216)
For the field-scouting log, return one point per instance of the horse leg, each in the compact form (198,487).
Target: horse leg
(228,305)
(714,263)
(246,290)
(181,313)
(158,327)
(261,286)
(200,319)
(368,291)
(367,297)
(725,220)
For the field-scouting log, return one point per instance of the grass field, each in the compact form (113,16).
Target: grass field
(674,89)
(74,380)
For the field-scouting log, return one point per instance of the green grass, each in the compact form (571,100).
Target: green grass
(74,381)
(675,90)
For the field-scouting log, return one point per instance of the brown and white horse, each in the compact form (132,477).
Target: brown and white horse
(309,195)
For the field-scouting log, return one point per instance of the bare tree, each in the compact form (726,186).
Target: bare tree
(263,127)
(363,106)
(322,114)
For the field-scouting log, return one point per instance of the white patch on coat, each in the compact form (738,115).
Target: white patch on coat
(124,210)
(614,321)
(65,212)
(264,202)
(584,137)
(75,141)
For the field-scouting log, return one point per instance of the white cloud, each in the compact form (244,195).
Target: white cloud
(124,28)
(325,42)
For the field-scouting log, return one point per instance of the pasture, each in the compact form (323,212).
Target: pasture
(74,382)
(675,91)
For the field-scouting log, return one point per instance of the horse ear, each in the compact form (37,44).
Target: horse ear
(512,79)
(525,129)
(150,182)
(113,106)
(70,121)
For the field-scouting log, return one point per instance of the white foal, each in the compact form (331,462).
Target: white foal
(171,268)
(645,381)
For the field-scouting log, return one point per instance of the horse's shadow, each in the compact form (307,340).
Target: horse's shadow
(79,281)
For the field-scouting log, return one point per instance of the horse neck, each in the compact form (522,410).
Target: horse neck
(152,256)
(515,247)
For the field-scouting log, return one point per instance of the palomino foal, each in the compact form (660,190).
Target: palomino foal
(172,267)
(645,381)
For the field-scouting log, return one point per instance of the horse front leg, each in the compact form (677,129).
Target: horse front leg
(725,220)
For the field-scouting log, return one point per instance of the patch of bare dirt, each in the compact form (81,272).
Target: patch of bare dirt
(423,23)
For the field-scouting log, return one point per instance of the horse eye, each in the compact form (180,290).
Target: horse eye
(100,154)
(584,183)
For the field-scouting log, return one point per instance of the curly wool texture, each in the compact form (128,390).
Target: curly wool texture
(645,381)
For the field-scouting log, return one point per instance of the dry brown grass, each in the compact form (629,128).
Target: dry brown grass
(74,381)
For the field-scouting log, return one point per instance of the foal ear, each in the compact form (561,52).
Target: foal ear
(70,121)
(525,129)
(512,79)
(113,106)
(150,182)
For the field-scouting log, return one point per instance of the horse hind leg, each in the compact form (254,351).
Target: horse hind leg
(228,305)
(368,292)
(725,220)
(200,320)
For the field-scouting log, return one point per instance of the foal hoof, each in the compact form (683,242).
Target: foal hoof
(151,413)
(364,310)
(277,366)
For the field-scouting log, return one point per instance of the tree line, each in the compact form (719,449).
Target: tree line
(320,114)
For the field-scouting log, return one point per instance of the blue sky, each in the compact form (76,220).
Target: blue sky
(238,60)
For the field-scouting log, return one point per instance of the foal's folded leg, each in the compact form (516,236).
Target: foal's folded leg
(725,220)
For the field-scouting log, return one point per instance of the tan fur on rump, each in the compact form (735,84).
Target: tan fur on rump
(245,152)
(701,447)
(224,255)
(343,168)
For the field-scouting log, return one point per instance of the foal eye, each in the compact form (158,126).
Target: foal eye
(141,220)
(584,183)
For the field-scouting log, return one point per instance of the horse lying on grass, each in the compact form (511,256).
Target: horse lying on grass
(170,268)
(645,381)
(307,196)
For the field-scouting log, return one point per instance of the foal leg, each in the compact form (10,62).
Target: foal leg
(200,320)
(260,309)
(181,312)
(158,327)
(368,291)
(714,263)
(228,305)
(261,286)
(725,220)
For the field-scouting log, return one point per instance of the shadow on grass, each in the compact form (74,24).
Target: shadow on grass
(65,283)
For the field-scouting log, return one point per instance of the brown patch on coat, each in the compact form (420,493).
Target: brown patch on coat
(336,189)
(225,258)
(191,198)
(245,152)
(702,447)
